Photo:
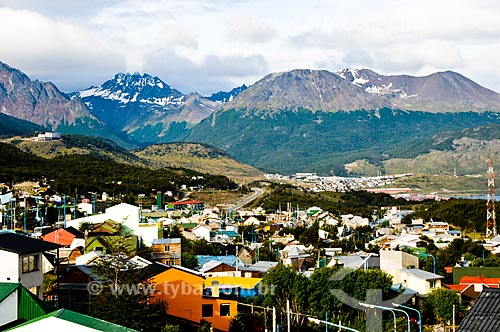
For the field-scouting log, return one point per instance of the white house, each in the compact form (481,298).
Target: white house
(126,214)
(420,281)
(202,232)
(21,258)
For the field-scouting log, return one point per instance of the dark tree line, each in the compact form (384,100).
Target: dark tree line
(83,173)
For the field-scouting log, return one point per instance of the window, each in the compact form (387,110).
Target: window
(167,248)
(30,263)
(225,309)
(207,310)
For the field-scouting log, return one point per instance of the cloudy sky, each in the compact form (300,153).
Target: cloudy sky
(212,45)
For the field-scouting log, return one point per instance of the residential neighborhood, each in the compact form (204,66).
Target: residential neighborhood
(201,268)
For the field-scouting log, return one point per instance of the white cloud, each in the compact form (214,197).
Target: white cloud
(205,45)
(249,29)
(47,48)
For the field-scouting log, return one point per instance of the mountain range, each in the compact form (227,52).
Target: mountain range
(299,120)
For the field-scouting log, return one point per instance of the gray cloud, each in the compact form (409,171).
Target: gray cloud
(214,73)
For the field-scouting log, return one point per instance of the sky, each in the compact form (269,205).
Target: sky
(209,45)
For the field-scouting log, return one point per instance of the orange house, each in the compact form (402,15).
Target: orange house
(182,290)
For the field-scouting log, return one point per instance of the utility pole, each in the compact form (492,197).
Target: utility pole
(274,319)
(453,318)
(491,224)
(288,315)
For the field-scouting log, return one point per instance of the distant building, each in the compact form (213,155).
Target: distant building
(167,251)
(47,136)
(186,205)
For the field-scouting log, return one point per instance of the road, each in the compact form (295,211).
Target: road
(246,200)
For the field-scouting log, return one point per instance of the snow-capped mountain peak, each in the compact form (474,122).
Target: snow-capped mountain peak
(126,88)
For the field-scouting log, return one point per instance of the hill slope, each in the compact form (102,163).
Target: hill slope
(197,157)
(11,126)
(202,158)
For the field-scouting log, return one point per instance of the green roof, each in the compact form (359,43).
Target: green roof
(81,319)
(6,288)
(30,306)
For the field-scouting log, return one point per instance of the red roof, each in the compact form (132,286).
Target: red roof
(490,282)
(60,236)
(186,202)
(458,288)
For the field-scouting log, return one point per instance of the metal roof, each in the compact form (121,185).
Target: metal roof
(174,240)
(80,319)
(422,274)
(22,244)
(485,313)
(6,288)
(29,305)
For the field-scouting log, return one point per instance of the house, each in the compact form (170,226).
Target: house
(47,136)
(297,256)
(414,229)
(471,287)
(230,260)
(73,290)
(18,305)
(484,314)
(108,244)
(202,232)
(356,261)
(420,281)
(215,268)
(187,205)
(352,221)
(63,236)
(108,227)
(184,291)
(21,258)
(264,266)
(245,255)
(439,227)
(227,236)
(68,255)
(129,216)
(236,286)
(67,320)
(167,251)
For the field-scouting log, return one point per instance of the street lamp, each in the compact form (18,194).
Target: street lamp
(410,308)
(433,260)
(373,306)
(93,199)
(319,321)
(407,316)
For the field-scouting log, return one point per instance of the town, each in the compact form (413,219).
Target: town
(159,264)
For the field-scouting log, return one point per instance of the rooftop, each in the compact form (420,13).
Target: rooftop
(421,274)
(167,241)
(67,319)
(21,244)
(485,313)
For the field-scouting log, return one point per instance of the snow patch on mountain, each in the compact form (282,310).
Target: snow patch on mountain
(133,88)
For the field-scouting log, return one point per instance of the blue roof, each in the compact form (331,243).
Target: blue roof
(229,259)
(229,233)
